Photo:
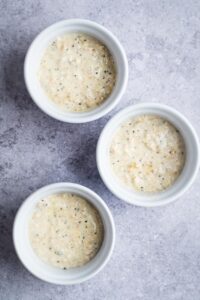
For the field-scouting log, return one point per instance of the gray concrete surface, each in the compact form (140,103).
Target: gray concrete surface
(157,253)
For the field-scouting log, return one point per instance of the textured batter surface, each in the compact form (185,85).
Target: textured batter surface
(77,72)
(147,153)
(157,253)
(65,230)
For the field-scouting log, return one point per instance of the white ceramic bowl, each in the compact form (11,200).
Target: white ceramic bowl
(52,274)
(36,50)
(183,182)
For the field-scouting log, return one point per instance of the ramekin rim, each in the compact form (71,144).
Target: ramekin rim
(170,110)
(95,115)
(107,214)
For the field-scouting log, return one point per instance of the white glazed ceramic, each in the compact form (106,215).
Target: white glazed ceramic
(36,50)
(52,274)
(183,182)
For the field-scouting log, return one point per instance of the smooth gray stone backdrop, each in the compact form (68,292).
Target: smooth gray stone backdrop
(157,253)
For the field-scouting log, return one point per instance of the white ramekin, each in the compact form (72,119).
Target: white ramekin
(188,174)
(52,274)
(36,50)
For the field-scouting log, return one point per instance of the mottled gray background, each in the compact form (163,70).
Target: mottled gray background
(157,253)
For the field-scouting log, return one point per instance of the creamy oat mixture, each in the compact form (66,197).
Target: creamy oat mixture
(147,153)
(65,230)
(77,72)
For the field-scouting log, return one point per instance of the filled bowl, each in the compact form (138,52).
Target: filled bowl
(35,54)
(50,273)
(189,170)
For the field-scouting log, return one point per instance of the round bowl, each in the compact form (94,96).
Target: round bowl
(52,274)
(35,53)
(187,175)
